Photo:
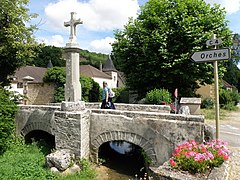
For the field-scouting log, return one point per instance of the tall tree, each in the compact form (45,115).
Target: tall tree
(16,41)
(49,53)
(232,74)
(153,50)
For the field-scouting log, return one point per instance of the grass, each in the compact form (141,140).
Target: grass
(209,114)
(23,161)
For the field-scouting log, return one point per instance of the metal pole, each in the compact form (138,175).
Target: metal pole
(216,94)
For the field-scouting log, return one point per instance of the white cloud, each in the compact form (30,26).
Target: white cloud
(231,6)
(97,15)
(56,40)
(102,45)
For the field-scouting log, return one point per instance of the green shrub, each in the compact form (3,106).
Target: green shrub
(8,109)
(94,93)
(158,96)
(228,99)
(59,94)
(90,89)
(230,106)
(57,75)
(121,95)
(207,103)
(235,97)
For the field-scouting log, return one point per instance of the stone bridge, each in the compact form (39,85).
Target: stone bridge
(150,127)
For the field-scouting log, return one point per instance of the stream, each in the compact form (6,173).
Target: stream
(120,161)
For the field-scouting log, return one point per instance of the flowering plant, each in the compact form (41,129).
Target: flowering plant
(197,158)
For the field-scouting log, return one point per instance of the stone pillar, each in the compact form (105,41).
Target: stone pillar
(73,90)
(72,132)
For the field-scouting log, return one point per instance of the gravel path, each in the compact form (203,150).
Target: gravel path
(234,160)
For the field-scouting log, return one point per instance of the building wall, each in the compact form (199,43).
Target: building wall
(14,88)
(100,81)
(206,90)
(40,93)
(114,79)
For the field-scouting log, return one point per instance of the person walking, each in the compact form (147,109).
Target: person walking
(106,99)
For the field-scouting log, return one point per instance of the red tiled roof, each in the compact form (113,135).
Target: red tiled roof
(36,72)
(90,71)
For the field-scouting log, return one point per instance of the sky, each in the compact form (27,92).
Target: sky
(100,19)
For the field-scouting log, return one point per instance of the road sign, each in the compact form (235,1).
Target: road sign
(214,42)
(211,55)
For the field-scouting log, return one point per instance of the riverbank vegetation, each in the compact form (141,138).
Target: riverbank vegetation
(27,161)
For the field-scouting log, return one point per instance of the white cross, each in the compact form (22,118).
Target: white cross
(73,23)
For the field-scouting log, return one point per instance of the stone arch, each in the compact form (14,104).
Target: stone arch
(133,138)
(36,126)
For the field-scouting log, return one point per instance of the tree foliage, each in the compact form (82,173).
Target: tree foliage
(92,58)
(232,75)
(153,50)
(7,119)
(49,53)
(16,42)
(57,75)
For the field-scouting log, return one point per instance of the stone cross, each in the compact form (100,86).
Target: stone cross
(73,90)
(73,23)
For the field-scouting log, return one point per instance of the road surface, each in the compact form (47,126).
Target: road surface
(229,128)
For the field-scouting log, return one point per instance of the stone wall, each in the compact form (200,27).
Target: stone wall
(35,117)
(72,131)
(40,93)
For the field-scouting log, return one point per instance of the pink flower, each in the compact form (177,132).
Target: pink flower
(209,155)
(172,162)
(192,154)
(199,157)
(225,157)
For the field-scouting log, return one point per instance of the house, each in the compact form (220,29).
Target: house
(108,73)
(97,75)
(208,90)
(28,81)
(39,92)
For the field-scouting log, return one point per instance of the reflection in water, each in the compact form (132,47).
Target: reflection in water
(124,158)
(121,147)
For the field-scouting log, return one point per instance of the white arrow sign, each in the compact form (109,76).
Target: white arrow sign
(211,55)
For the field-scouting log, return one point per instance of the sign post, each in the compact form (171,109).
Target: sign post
(213,55)
(216,93)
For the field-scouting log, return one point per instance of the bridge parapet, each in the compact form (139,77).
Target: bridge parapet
(42,107)
(152,115)
(127,107)
(134,107)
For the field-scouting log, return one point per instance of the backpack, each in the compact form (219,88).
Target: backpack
(111,93)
